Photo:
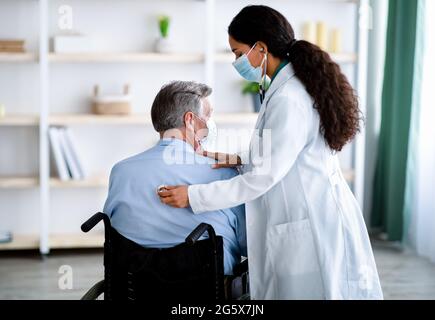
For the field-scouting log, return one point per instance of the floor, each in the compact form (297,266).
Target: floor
(27,276)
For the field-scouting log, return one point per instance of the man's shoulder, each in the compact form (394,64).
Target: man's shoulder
(218,174)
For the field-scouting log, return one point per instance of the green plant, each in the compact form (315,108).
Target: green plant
(250,87)
(164,25)
(253,87)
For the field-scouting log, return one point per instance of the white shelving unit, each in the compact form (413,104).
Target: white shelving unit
(210,59)
(18,57)
(18,182)
(18,120)
(109,57)
(55,241)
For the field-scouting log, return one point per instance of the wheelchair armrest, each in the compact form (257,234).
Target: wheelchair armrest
(240,268)
(199,231)
(92,221)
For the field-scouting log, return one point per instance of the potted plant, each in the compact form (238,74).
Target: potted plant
(163,44)
(253,89)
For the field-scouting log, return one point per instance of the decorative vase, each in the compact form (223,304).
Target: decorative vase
(163,45)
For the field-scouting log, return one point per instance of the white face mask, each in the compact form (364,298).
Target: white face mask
(208,142)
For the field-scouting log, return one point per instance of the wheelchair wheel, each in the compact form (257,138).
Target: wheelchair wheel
(96,291)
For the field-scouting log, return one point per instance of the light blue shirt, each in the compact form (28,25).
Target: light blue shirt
(136,212)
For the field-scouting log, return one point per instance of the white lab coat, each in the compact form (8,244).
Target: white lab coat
(306,235)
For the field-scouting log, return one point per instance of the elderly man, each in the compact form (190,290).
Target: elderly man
(180,113)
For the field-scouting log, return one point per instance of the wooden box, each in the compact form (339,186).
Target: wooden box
(111,104)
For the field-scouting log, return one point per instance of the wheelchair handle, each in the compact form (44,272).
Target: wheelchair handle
(92,221)
(199,231)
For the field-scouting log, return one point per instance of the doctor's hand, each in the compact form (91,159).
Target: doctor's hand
(175,196)
(224,160)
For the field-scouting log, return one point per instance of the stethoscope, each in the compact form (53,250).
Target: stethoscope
(262,90)
(262,93)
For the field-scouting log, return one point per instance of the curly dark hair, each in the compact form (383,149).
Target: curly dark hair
(334,98)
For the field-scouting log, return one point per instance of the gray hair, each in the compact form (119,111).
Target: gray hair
(174,100)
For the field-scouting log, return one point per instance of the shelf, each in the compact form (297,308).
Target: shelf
(21,242)
(18,57)
(140,57)
(91,182)
(19,120)
(92,119)
(133,119)
(18,182)
(126,57)
(341,58)
(141,119)
(57,241)
(72,241)
(344,58)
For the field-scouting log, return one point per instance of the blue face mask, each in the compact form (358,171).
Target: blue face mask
(246,70)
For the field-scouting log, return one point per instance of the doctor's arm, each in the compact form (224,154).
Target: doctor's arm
(284,137)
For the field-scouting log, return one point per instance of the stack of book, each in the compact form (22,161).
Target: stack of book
(67,161)
(13,46)
(5,236)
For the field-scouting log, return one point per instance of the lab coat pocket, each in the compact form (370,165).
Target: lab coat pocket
(291,247)
(292,254)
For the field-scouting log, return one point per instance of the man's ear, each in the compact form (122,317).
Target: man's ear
(188,120)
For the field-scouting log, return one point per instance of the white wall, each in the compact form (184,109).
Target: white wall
(120,26)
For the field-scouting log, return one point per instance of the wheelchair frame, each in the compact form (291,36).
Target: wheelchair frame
(240,271)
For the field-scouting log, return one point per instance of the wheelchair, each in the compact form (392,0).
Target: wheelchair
(190,271)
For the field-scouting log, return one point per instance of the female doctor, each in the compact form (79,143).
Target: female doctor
(306,235)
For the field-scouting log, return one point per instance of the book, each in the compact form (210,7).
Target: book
(77,158)
(12,46)
(12,42)
(58,154)
(70,153)
(11,50)
(5,236)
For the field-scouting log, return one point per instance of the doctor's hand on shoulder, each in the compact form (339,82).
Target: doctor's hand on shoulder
(177,196)
(223,160)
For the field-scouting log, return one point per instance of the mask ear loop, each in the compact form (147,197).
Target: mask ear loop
(251,49)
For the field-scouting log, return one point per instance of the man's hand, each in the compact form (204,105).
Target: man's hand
(224,160)
(175,196)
